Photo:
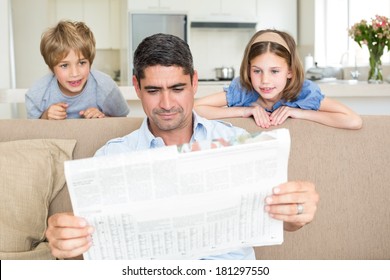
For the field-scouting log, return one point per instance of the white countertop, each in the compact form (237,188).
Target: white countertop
(17,95)
(360,89)
(363,98)
(12,95)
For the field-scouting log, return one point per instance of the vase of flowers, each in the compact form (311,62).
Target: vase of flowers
(376,35)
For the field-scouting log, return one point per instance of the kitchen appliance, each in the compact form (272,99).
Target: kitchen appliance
(318,73)
(224,73)
(223,24)
(142,25)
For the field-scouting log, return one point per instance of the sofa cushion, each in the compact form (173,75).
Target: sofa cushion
(31,175)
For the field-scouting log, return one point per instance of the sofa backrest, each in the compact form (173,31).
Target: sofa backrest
(349,168)
(91,134)
(351,171)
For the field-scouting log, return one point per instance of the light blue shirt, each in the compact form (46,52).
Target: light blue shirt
(100,92)
(204,129)
(309,98)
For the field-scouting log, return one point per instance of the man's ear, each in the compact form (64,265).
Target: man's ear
(137,86)
(195,82)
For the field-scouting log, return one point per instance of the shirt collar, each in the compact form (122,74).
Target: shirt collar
(201,126)
(146,140)
(276,106)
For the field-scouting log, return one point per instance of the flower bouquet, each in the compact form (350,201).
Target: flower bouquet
(376,35)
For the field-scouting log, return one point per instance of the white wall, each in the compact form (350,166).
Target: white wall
(5,80)
(30,19)
(213,48)
(278,14)
(306,27)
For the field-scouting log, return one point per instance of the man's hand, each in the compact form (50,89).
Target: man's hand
(284,203)
(68,236)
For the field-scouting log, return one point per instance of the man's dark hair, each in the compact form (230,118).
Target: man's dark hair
(165,50)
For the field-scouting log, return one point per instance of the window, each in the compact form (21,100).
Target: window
(333,18)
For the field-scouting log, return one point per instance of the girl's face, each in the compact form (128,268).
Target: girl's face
(269,74)
(72,73)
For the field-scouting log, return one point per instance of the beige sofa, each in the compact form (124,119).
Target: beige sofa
(349,168)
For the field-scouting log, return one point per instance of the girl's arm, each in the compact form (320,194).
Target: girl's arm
(331,113)
(214,106)
(336,114)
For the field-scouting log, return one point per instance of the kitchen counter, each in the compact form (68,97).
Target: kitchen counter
(364,98)
(12,95)
(359,89)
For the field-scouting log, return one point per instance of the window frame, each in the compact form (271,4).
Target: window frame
(333,18)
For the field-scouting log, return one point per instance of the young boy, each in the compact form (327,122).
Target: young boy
(73,90)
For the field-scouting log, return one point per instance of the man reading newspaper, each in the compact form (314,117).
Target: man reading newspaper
(166,83)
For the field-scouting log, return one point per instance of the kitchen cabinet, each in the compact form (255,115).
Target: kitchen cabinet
(101,16)
(229,10)
(115,24)
(223,10)
(69,10)
(281,15)
(5,42)
(158,5)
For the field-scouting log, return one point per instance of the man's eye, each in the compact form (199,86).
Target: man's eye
(152,91)
(178,89)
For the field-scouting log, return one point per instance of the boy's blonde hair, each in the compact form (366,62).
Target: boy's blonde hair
(255,48)
(58,41)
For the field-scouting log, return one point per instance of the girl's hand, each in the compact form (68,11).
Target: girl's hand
(56,112)
(261,116)
(282,113)
(92,113)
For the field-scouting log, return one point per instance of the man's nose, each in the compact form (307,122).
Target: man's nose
(165,100)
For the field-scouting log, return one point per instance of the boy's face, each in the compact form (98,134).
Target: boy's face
(72,73)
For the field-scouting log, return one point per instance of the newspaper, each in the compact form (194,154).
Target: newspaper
(169,203)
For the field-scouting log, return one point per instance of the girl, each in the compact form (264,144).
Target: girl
(271,88)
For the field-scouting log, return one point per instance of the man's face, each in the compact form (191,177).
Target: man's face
(167,97)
